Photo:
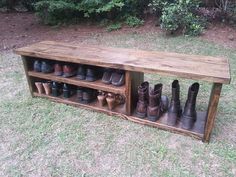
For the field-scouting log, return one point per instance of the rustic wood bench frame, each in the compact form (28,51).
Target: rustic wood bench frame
(135,63)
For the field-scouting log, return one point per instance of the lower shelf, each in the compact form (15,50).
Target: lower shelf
(118,110)
(197,131)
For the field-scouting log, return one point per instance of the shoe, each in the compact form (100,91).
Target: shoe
(55,89)
(157,105)
(46,67)
(39,87)
(80,94)
(88,96)
(37,66)
(58,71)
(120,99)
(174,110)
(101,98)
(107,76)
(141,108)
(66,91)
(110,100)
(118,78)
(91,74)
(68,70)
(81,72)
(189,115)
(47,87)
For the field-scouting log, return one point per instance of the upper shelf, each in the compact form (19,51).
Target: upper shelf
(206,68)
(82,83)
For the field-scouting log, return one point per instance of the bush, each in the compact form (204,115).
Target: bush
(178,15)
(55,11)
(132,21)
(114,26)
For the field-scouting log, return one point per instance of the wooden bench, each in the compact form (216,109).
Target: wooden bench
(135,63)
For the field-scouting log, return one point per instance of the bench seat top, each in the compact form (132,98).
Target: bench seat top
(205,68)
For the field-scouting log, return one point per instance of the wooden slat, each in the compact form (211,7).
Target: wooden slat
(72,80)
(206,68)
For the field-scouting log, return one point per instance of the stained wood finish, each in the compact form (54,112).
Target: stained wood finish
(29,80)
(74,81)
(204,68)
(212,110)
(197,131)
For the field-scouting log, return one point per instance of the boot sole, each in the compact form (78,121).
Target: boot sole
(141,115)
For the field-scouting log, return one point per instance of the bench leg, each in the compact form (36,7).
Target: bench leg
(24,60)
(212,110)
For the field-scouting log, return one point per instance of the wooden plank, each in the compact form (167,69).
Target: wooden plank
(206,68)
(212,110)
(72,80)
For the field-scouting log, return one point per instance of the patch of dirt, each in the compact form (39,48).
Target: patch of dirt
(221,34)
(20,29)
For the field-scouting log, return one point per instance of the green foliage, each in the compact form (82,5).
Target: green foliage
(114,26)
(132,21)
(178,15)
(56,11)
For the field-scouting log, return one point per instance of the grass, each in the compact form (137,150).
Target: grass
(42,138)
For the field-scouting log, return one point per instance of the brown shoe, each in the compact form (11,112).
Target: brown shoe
(68,70)
(101,98)
(157,103)
(47,88)
(110,100)
(39,87)
(58,71)
(141,108)
(174,110)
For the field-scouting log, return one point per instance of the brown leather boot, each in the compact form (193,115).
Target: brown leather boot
(39,87)
(189,115)
(47,88)
(101,98)
(110,101)
(174,111)
(155,105)
(141,108)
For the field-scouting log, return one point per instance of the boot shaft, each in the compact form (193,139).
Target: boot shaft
(155,95)
(192,96)
(175,90)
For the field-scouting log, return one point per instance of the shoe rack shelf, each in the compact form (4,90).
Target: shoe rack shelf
(74,81)
(135,63)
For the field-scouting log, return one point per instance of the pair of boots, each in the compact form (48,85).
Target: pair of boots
(189,114)
(111,99)
(43,87)
(150,102)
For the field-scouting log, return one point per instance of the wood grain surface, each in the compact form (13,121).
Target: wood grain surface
(206,68)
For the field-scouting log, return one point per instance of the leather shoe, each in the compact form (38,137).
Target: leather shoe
(68,70)
(81,72)
(37,66)
(118,78)
(107,76)
(46,67)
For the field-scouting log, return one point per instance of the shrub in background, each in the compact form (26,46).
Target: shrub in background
(55,11)
(179,16)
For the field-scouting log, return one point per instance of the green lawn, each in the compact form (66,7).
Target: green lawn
(42,138)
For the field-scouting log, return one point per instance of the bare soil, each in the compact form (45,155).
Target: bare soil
(19,29)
